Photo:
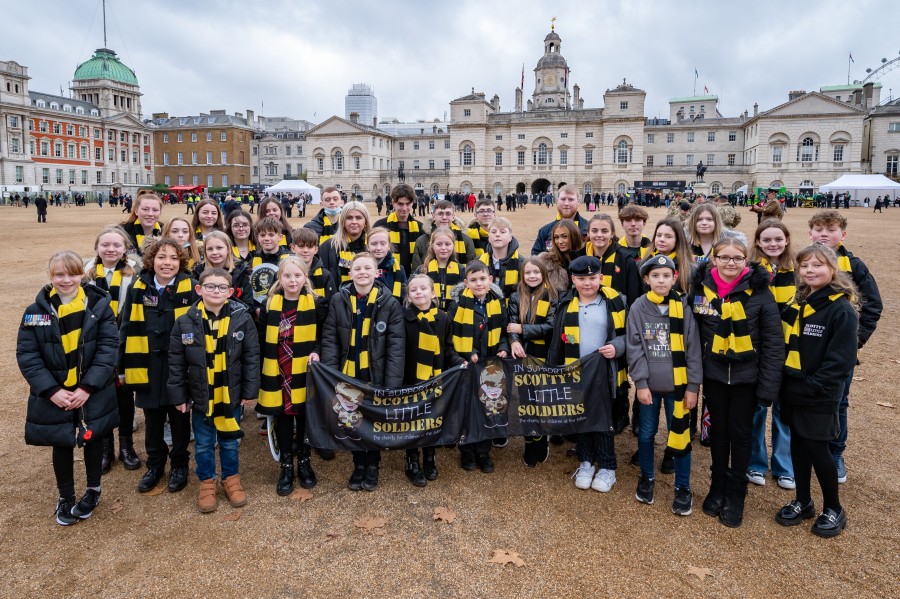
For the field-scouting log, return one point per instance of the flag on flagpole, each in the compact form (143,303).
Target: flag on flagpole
(705,90)
(522,86)
(851,58)
(696,74)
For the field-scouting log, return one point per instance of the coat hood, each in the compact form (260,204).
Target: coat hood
(458,289)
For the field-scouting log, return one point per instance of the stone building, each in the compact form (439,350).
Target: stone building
(92,140)
(277,150)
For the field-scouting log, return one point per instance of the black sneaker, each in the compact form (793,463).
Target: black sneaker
(541,449)
(683,504)
(500,442)
(795,513)
(178,479)
(89,502)
(355,482)
(644,492)
(667,466)
(485,463)
(64,516)
(830,523)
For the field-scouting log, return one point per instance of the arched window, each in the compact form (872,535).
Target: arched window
(498,189)
(715,188)
(337,161)
(588,188)
(809,151)
(622,152)
(466,187)
(620,188)
(468,156)
(542,154)
(435,189)
(807,184)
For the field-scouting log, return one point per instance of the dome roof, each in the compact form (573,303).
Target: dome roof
(552,36)
(551,60)
(104,64)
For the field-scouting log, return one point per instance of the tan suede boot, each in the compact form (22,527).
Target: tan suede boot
(234,491)
(206,502)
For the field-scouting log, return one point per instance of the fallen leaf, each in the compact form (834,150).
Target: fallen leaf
(117,505)
(332,534)
(370,524)
(700,573)
(232,517)
(445,514)
(885,404)
(859,378)
(895,361)
(301,495)
(154,491)
(502,556)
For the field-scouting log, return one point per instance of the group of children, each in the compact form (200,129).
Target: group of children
(223,313)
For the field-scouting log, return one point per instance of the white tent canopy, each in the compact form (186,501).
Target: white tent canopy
(742,189)
(296,186)
(859,185)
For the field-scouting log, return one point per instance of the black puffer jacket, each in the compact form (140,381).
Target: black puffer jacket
(766,334)
(530,332)
(387,336)
(188,377)
(449,358)
(42,362)
(240,281)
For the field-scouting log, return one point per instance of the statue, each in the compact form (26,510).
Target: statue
(401,175)
(701,170)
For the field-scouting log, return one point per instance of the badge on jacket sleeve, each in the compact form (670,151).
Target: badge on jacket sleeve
(239,335)
(381,326)
(187,338)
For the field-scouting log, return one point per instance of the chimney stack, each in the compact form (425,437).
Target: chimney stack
(249,117)
(755,108)
(354,117)
(577,92)
(518,100)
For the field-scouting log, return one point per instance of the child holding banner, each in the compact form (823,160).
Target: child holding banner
(364,338)
(665,361)
(591,318)
(479,332)
(429,352)
(532,309)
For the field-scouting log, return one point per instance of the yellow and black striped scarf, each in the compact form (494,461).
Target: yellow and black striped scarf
(479,238)
(70,316)
(507,276)
(671,255)
(843,259)
(465,330)
(429,355)
(317,277)
(358,368)
(219,408)
(257,258)
(114,287)
(459,246)
(137,346)
(328,229)
(539,308)
(395,231)
(251,248)
(444,281)
(792,323)
(783,284)
(572,331)
(305,329)
(607,261)
(732,339)
(387,274)
(139,235)
(679,441)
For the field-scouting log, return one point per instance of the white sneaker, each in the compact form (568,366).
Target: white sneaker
(584,475)
(604,480)
(757,478)
(786,482)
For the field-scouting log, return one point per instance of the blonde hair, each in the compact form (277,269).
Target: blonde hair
(192,251)
(699,209)
(378,231)
(143,194)
(278,287)
(229,258)
(66,260)
(341,241)
(128,269)
(429,255)
(420,275)
(501,222)
(841,281)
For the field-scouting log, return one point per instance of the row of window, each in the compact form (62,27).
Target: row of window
(541,156)
(44,127)
(81,152)
(223,158)
(273,150)
(58,177)
(195,180)
(689,160)
(179,137)
(710,137)
(272,170)
(431,165)
(56,106)
(430,145)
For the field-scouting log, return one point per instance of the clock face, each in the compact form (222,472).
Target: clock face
(549,80)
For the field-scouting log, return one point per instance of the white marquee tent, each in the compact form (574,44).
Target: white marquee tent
(296,186)
(860,186)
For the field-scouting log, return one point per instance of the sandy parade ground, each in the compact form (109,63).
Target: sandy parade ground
(574,543)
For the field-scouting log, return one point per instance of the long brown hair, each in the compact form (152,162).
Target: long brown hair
(576,241)
(220,223)
(192,250)
(840,281)
(786,258)
(143,195)
(529,297)
(682,251)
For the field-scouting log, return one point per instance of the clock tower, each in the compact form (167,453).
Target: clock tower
(550,76)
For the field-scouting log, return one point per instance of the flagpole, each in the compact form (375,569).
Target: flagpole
(696,76)
(849,58)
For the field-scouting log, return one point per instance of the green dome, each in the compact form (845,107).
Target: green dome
(104,64)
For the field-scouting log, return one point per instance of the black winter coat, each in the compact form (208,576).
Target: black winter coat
(870,300)
(188,376)
(766,334)
(531,331)
(331,261)
(480,343)
(240,281)
(387,336)
(42,362)
(449,357)
(160,320)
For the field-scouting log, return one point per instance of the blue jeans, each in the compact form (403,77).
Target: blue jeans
(649,424)
(782,465)
(205,448)
(840,444)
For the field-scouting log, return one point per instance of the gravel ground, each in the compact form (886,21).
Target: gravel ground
(574,543)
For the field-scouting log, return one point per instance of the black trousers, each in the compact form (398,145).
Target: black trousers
(731,410)
(64,467)
(366,458)
(125,403)
(158,453)
(599,448)
(808,454)
(479,448)
(284,432)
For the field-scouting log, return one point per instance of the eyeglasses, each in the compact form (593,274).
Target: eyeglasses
(240,226)
(213,287)
(484,211)
(731,259)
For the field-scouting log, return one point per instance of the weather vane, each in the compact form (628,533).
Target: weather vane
(553,24)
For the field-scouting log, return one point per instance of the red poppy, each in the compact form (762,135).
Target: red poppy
(88,433)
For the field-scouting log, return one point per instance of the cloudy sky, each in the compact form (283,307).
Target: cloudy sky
(299,58)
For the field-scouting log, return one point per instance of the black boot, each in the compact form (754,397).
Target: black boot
(286,480)
(127,455)
(356,479)
(305,475)
(413,472)
(712,505)
(429,464)
(109,455)
(370,479)
(732,514)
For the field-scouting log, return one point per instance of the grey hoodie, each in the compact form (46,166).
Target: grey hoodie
(648,350)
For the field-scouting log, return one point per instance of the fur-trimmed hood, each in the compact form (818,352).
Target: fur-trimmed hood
(757,279)
(457,291)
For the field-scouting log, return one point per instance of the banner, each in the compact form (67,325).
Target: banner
(528,397)
(343,413)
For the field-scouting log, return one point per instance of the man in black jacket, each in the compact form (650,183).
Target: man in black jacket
(566,207)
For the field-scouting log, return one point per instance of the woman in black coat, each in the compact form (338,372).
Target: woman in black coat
(739,357)
(71,393)
(385,344)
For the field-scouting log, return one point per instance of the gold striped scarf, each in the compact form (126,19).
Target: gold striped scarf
(783,285)
(792,323)
(139,236)
(572,331)
(843,261)
(732,339)
(464,327)
(71,316)
(328,230)
(479,238)
(679,441)
(251,248)
(507,277)
(390,277)
(444,281)
(459,246)
(359,367)
(394,232)
(429,355)
(607,261)
(115,287)
(219,406)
